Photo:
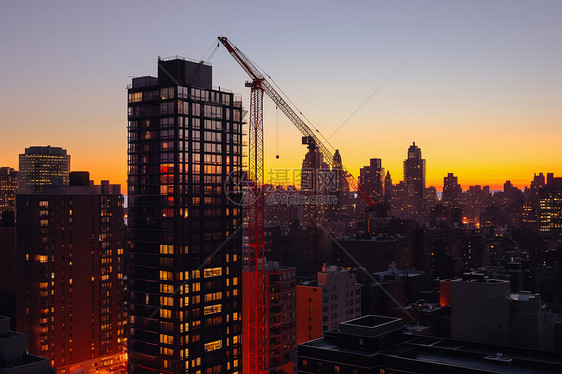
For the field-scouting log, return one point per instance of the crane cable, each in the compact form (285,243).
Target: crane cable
(287,98)
(380,87)
(209,53)
(277,131)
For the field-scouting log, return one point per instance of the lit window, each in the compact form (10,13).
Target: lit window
(212,272)
(166,339)
(217,308)
(212,346)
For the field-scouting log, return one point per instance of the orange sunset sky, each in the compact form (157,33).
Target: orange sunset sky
(480,92)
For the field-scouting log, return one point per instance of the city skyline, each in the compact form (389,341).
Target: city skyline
(478,92)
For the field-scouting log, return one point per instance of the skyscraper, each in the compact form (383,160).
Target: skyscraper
(43,166)
(184,264)
(372,179)
(414,170)
(314,168)
(414,177)
(70,248)
(550,206)
(452,191)
(388,186)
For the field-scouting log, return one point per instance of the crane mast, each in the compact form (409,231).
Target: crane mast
(258,345)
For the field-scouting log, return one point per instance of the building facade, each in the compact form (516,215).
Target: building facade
(184,263)
(8,187)
(414,179)
(372,179)
(313,172)
(550,210)
(41,167)
(281,316)
(414,170)
(452,192)
(70,248)
(335,297)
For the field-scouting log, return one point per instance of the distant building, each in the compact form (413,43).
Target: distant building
(14,358)
(70,265)
(387,186)
(404,202)
(306,248)
(443,216)
(452,192)
(378,345)
(8,187)
(483,310)
(336,185)
(41,167)
(314,168)
(414,170)
(334,297)
(281,318)
(550,209)
(377,253)
(414,178)
(475,200)
(372,179)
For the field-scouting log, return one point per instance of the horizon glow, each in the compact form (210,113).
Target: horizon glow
(480,95)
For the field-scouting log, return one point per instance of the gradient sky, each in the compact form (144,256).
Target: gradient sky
(481,94)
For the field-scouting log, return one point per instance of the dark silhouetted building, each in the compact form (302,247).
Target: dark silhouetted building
(372,179)
(313,173)
(184,299)
(414,170)
(452,192)
(377,253)
(42,166)
(8,280)
(378,345)
(387,186)
(8,187)
(483,310)
(70,268)
(14,358)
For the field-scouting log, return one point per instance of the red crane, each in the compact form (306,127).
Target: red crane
(257,321)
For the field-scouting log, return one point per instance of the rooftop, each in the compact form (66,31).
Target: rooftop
(426,354)
(371,325)
(45,150)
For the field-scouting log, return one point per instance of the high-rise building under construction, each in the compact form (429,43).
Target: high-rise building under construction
(184,261)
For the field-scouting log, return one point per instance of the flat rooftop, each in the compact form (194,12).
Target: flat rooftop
(371,326)
(480,357)
(426,354)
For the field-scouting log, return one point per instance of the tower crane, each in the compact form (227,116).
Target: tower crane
(257,322)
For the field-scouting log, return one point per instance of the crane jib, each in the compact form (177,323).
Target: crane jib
(256,75)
